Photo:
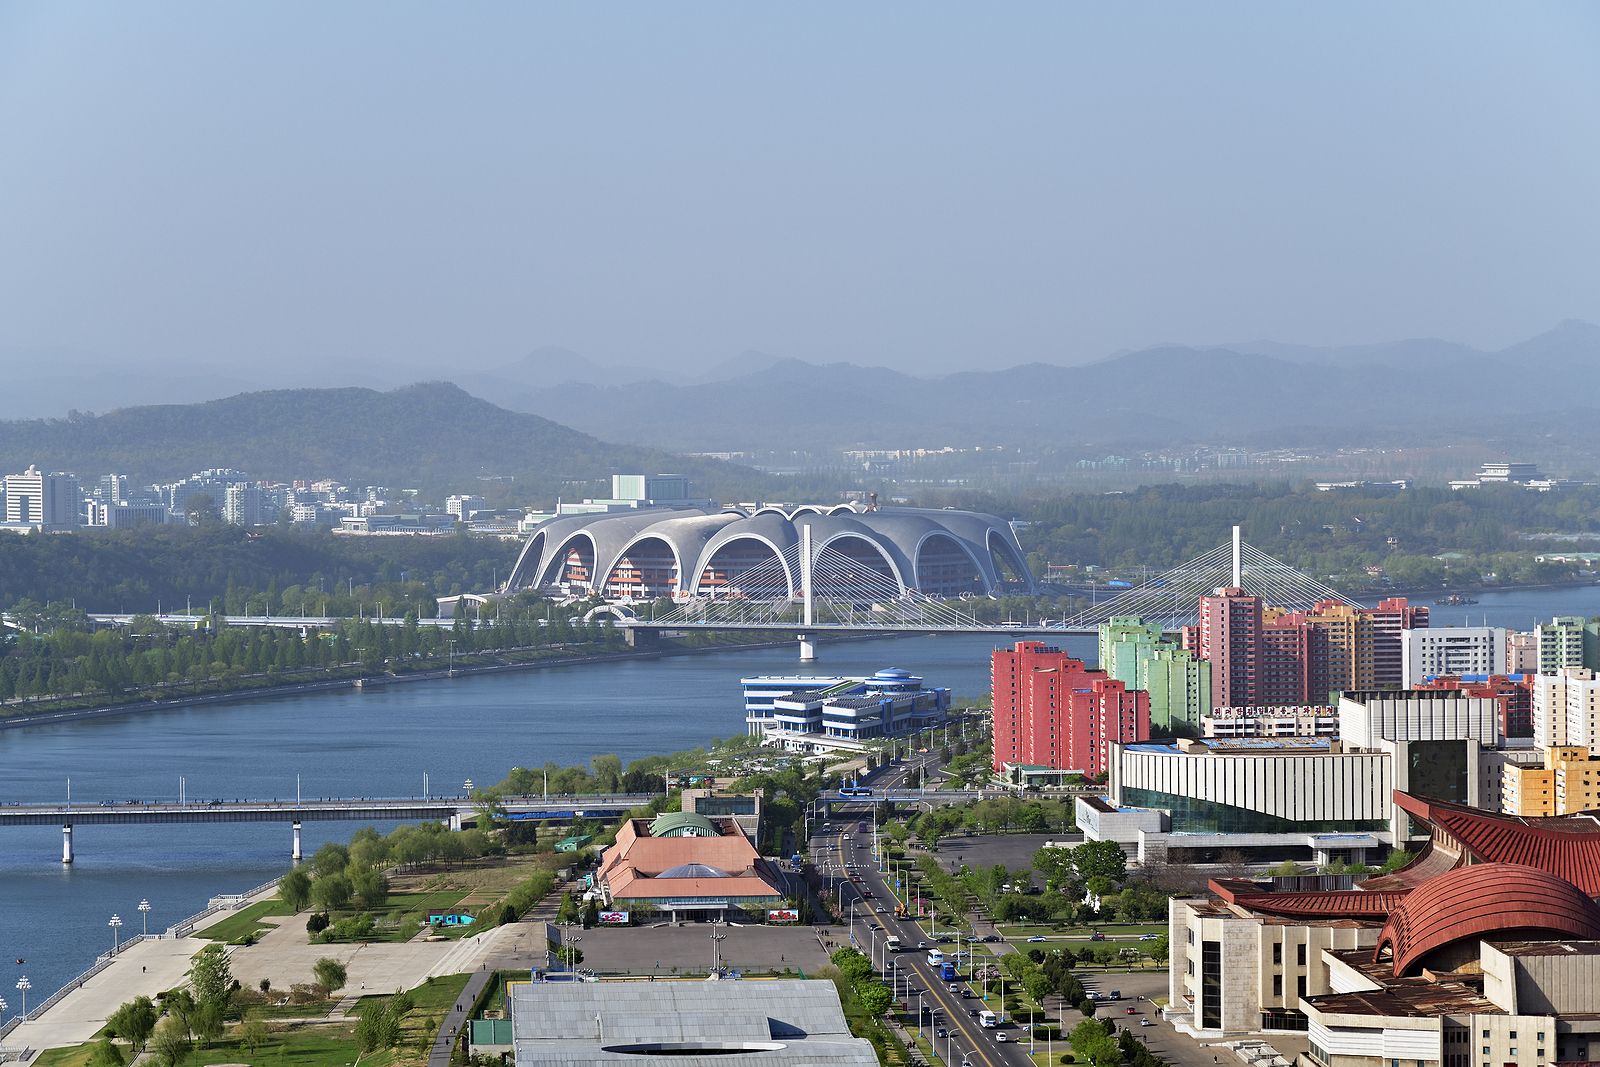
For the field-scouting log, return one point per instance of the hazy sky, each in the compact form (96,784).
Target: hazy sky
(918,185)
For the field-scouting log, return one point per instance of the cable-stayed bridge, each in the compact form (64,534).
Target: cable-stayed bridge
(838,593)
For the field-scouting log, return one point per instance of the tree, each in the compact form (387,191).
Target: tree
(371,888)
(1100,859)
(332,858)
(331,892)
(253,1032)
(211,977)
(1160,948)
(294,889)
(170,1044)
(330,974)
(874,997)
(134,1022)
(106,1054)
(379,1025)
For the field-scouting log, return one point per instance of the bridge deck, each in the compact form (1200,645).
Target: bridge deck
(339,810)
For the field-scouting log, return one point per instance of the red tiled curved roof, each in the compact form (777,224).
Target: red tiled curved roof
(1326,904)
(1566,846)
(1485,898)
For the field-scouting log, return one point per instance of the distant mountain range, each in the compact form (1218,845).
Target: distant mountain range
(1257,394)
(1260,393)
(433,436)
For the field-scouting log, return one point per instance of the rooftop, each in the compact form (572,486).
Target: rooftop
(685,1024)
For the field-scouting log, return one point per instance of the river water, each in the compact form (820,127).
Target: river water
(380,743)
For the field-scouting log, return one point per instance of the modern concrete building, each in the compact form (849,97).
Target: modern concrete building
(1566,709)
(808,713)
(462,507)
(1285,953)
(1306,720)
(46,502)
(1457,650)
(1522,652)
(1565,781)
(125,516)
(1567,641)
(1050,712)
(1367,719)
(783,1023)
(1512,692)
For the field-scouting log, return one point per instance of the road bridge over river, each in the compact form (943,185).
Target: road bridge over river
(452,810)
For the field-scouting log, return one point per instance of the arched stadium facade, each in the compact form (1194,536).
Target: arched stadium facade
(686,553)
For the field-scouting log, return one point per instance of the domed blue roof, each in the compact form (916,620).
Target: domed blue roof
(894,672)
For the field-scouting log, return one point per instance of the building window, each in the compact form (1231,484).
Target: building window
(1300,954)
(1211,985)
(1277,985)
(1277,952)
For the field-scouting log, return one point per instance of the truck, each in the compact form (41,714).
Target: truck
(988,1019)
(892,943)
(899,911)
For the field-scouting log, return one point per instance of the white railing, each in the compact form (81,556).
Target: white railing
(229,902)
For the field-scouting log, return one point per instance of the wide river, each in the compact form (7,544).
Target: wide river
(380,743)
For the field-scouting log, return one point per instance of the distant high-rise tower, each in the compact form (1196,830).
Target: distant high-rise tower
(1050,711)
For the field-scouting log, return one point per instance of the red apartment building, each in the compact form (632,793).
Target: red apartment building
(1050,711)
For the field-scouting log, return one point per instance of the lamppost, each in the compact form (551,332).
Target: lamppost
(716,952)
(24,985)
(144,915)
(572,951)
(115,922)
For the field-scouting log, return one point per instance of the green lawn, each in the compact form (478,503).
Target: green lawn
(1111,930)
(439,994)
(246,922)
(69,1056)
(312,1046)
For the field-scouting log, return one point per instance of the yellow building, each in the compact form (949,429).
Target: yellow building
(1568,782)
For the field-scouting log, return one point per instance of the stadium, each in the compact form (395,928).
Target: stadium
(687,553)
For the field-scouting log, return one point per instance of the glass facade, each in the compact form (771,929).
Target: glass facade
(1195,816)
(1438,769)
(1211,985)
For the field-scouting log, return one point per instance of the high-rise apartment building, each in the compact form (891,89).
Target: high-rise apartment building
(1230,639)
(1451,650)
(1051,712)
(46,502)
(1262,655)
(1522,652)
(246,504)
(1141,655)
(1560,643)
(1565,705)
(462,507)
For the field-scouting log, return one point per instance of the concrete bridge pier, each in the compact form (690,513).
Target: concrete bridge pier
(66,845)
(808,649)
(295,853)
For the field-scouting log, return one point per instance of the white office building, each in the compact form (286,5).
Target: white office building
(46,502)
(1566,709)
(1454,650)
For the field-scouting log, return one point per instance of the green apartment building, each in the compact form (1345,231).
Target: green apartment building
(1141,656)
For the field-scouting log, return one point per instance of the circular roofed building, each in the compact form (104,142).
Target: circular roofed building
(684,553)
(1439,925)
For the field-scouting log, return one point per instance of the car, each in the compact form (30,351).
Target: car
(972,1012)
(1097,936)
(941,1032)
(966,994)
(990,939)
(1036,939)
(1001,1036)
(1148,937)
(1144,1022)
(954,988)
(922,944)
(1132,1011)
(879,908)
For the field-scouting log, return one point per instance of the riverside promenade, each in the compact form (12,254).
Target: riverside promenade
(283,954)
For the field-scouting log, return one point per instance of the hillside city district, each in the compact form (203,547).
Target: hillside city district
(1370,842)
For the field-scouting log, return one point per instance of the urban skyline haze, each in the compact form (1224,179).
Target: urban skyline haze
(302,194)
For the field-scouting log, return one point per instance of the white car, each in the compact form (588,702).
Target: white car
(1001,1037)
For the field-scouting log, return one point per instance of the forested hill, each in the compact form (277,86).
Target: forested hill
(432,436)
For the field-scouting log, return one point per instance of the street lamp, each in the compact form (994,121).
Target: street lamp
(716,951)
(115,922)
(24,985)
(144,915)
(572,949)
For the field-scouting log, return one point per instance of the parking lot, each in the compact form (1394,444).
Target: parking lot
(1014,850)
(669,950)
